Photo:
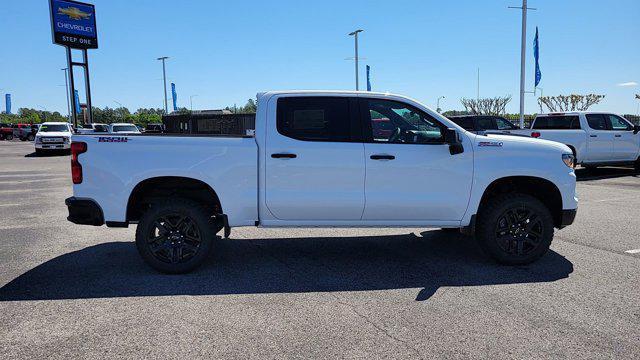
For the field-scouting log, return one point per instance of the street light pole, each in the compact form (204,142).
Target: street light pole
(191,101)
(523,52)
(355,35)
(66,84)
(164,80)
(438,104)
(117,102)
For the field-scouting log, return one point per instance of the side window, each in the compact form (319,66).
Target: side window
(485,124)
(618,123)
(314,118)
(403,123)
(597,121)
(503,124)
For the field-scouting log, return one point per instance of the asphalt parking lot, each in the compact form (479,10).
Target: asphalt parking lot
(79,291)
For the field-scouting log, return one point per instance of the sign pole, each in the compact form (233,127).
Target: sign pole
(72,88)
(88,86)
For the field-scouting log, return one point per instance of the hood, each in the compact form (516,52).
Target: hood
(54,134)
(520,142)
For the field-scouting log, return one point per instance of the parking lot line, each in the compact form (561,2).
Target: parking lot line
(633,251)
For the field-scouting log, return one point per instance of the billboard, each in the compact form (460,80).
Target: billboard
(73,24)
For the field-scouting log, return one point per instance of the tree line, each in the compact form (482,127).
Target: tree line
(108,115)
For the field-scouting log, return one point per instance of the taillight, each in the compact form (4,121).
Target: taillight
(535,134)
(77,148)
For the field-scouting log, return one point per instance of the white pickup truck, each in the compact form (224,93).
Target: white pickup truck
(595,138)
(315,161)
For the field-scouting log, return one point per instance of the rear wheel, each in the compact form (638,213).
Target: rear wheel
(175,236)
(514,229)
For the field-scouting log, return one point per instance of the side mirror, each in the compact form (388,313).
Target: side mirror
(636,129)
(451,138)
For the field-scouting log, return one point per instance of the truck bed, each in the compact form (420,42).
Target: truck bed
(114,164)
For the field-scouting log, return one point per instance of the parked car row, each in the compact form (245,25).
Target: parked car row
(23,132)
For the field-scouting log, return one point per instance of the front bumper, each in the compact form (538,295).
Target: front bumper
(568,216)
(84,212)
(45,146)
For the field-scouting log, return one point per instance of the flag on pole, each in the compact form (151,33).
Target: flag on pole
(7,98)
(536,55)
(76,100)
(368,78)
(174,95)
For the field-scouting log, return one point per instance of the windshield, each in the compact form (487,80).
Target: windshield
(52,128)
(125,128)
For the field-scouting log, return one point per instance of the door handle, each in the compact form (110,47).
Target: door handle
(618,135)
(593,135)
(382,157)
(284,156)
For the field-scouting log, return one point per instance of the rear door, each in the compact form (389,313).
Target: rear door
(600,139)
(625,142)
(315,160)
(411,175)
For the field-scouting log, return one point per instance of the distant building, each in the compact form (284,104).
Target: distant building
(218,122)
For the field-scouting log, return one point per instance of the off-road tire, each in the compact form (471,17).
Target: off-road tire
(493,212)
(199,217)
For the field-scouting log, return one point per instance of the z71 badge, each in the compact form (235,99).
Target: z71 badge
(118,139)
(490,143)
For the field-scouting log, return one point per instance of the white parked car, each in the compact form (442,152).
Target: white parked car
(122,128)
(596,138)
(53,136)
(93,128)
(315,160)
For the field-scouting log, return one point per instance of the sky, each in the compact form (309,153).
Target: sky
(224,52)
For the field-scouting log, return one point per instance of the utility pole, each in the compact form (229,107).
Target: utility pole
(478,89)
(355,35)
(164,80)
(523,52)
(438,104)
(66,83)
(191,101)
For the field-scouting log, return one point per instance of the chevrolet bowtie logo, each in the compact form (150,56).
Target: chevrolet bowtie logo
(74,13)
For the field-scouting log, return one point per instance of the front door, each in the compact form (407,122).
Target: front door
(410,173)
(314,160)
(625,142)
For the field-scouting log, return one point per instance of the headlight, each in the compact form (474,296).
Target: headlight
(38,140)
(569,160)
(67,140)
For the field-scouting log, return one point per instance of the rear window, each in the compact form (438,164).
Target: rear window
(557,122)
(100,128)
(465,123)
(314,118)
(125,128)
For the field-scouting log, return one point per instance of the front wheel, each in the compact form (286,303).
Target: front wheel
(514,229)
(175,236)
(9,137)
(30,137)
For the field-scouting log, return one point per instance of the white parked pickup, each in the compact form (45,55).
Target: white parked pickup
(53,136)
(317,161)
(595,138)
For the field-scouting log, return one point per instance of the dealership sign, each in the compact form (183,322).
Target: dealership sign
(73,24)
